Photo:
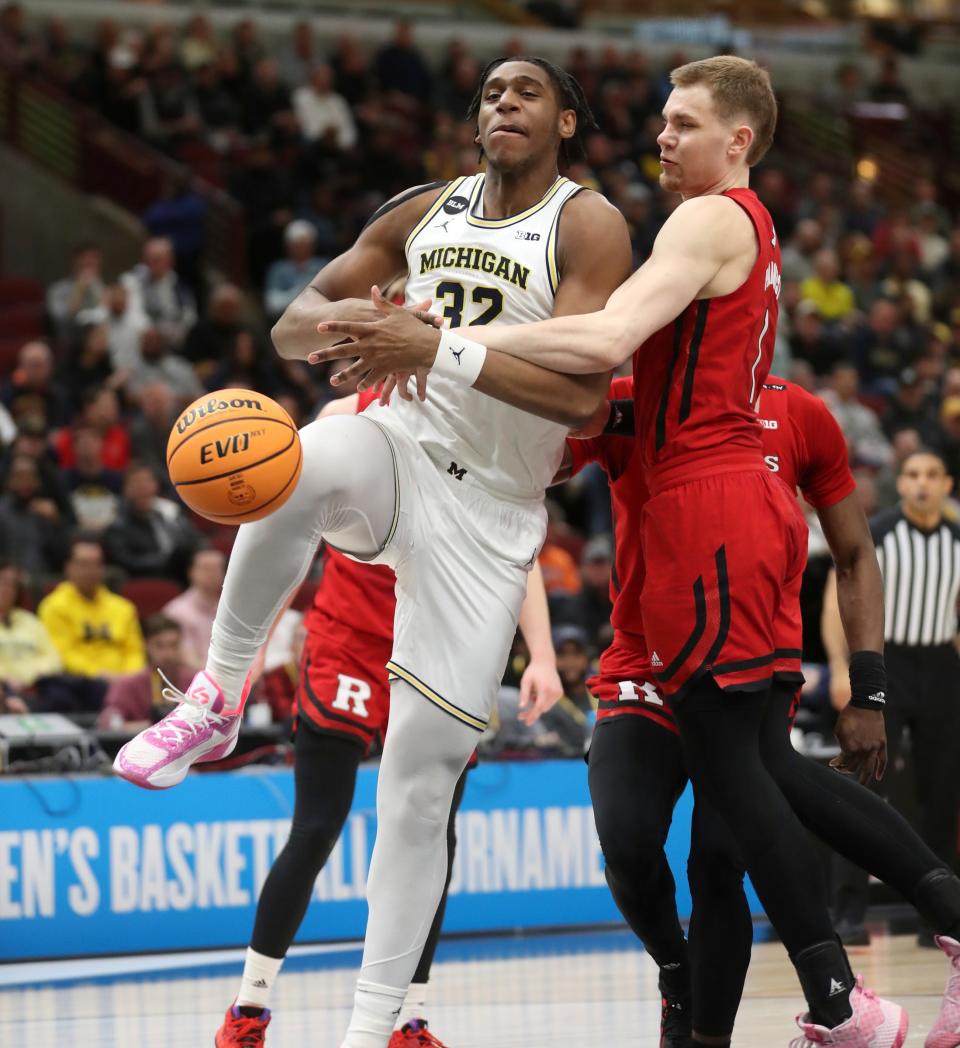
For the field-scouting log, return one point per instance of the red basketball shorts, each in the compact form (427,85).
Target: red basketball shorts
(724,556)
(625,686)
(343,687)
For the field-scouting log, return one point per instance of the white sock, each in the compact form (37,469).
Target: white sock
(259,974)
(375,1011)
(230,679)
(415,1004)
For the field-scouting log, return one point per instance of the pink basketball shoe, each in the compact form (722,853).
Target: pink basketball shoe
(946,1030)
(875,1023)
(197,730)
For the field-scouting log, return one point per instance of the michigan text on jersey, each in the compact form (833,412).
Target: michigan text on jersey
(475,258)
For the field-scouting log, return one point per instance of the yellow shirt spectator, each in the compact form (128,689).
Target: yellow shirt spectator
(26,650)
(825,289)
(97,636)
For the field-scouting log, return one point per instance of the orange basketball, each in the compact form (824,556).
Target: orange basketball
(234,456)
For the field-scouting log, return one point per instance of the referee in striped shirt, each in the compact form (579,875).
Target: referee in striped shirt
(919,554)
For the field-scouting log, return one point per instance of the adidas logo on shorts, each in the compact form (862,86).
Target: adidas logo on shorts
(656,662)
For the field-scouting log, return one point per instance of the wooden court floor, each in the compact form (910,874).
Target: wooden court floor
(567,998)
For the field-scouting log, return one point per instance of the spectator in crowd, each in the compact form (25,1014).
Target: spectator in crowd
(213,334)
(219,108)
(301,56)
(101,411)
(268,194)
(905,442)
(199,45)
(150,428)
(94,490)
(246,365)
(323,114)
(32,440)
(560,575)
(911,407)
(287,277)
(883,346)
(151,536)
(868,446)
(798,253)
(591,607)
(80,291)
(180,216)
(353,75)
(33,389)
(30,525)
(832,297)
(267,103)
(812,341)
(156,363)
(96,632)
(194,609)
(124,323)
(888,88)
(572,718)
(155,288)
(400,67)
(136,700)
(27,653)
(88,365)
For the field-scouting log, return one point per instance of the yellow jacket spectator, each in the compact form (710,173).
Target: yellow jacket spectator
(832,297)
(96,632)
(26,650)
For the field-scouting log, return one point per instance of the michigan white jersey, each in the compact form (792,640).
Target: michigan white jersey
(484,271)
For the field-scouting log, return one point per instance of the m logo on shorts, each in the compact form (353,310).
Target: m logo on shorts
(352,695)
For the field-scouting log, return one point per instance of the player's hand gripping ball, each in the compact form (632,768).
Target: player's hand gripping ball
(234,456)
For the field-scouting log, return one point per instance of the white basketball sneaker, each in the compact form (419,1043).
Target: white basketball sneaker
(197,730)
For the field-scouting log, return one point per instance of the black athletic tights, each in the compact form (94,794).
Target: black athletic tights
(325,774)
(636,774)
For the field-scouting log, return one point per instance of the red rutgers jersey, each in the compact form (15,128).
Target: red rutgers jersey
(697,378)
(802,443)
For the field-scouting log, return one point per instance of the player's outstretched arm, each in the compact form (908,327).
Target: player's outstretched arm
(341,290)
(702,237)
(595,258)
(540,686)
(859,601)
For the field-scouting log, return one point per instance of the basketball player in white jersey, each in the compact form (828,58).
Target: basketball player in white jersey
(447,490)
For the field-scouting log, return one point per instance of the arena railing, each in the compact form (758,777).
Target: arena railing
(95,157)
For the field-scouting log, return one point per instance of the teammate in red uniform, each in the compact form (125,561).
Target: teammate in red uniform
(722,539)
(343,705)
(636,765)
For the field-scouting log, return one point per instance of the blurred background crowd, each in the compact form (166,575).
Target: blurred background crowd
(308,137)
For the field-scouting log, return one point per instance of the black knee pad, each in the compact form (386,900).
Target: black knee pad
(937,898)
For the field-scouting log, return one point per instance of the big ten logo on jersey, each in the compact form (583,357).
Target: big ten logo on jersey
(353,695)
(628,692)
(526,234)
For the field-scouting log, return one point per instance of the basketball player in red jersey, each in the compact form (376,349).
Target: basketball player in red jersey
(343,702)
(636,765)
(722,539)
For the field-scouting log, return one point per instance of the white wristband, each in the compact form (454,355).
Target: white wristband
(459,358)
